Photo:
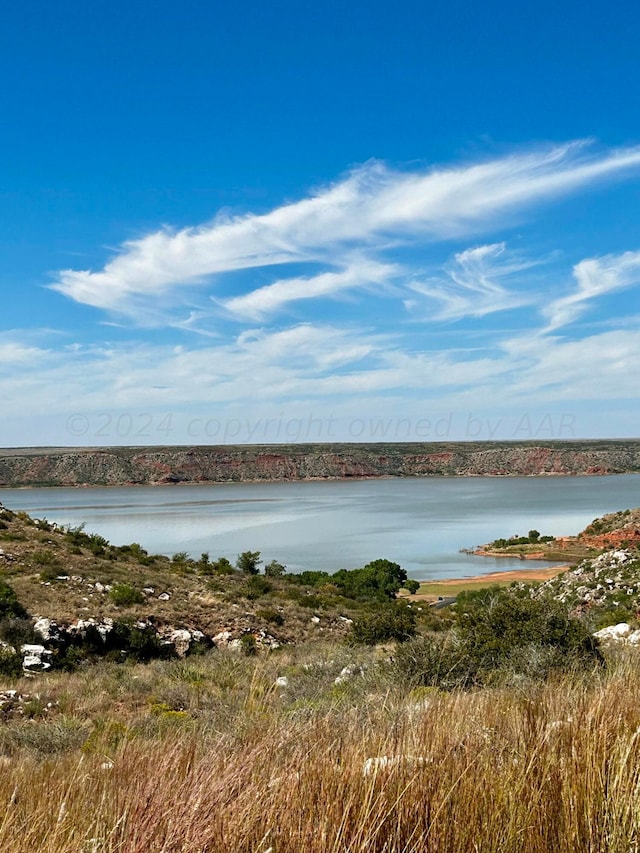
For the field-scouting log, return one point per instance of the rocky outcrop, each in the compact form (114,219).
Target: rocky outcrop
(96,637)
(220,464)
(611,579)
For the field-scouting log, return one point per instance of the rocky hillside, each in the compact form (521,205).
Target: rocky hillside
(211,464)
(83,593)
(605,587)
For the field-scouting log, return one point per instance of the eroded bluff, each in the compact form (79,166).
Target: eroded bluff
(220,464)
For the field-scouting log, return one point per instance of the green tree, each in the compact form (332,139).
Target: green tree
(248,562)
(274,569)
(379,580)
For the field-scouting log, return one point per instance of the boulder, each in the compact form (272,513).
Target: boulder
(46,629)
(35,658)
(615,633)
(184,640)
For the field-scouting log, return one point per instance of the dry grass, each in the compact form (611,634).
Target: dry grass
(208,755)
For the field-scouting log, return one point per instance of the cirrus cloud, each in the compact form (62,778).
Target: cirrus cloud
(374,212)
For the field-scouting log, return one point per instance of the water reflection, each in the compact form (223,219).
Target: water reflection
(421,523)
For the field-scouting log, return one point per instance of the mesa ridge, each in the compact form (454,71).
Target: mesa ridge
(119,466)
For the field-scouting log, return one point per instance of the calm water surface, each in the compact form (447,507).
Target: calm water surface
(420,523)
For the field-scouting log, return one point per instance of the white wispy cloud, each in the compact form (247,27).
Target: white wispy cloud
(594,277)
(371,210)
(471,284)
(265,300)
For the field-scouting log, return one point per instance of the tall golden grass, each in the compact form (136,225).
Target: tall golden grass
(551,767)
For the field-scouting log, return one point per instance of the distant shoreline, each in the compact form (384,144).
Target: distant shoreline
(219,464)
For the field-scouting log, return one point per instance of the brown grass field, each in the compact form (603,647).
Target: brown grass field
(209,755)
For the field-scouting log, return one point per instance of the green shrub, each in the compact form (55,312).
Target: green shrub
(312,601)
(124,595)
(180,557)
(491,623)
(137,643)
(127,641)
(51,573)
(9,604)
(395,621)
(10,662)
(17,631)
(75,535)
(309,578)
(274,569)
(257,586)
(499,636)
(379,580)
(222,566)
(248,645)
(97,544)
(136,551)
(270,615)
(44,558)
(433,662)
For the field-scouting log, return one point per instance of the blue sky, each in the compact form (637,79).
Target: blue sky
(281,222)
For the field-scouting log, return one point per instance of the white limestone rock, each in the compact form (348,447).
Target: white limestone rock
(183,640)
(35,658)
(614,632)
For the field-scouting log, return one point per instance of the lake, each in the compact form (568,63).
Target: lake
(421,523)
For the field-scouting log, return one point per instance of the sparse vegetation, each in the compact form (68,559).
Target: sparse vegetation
(532,538)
